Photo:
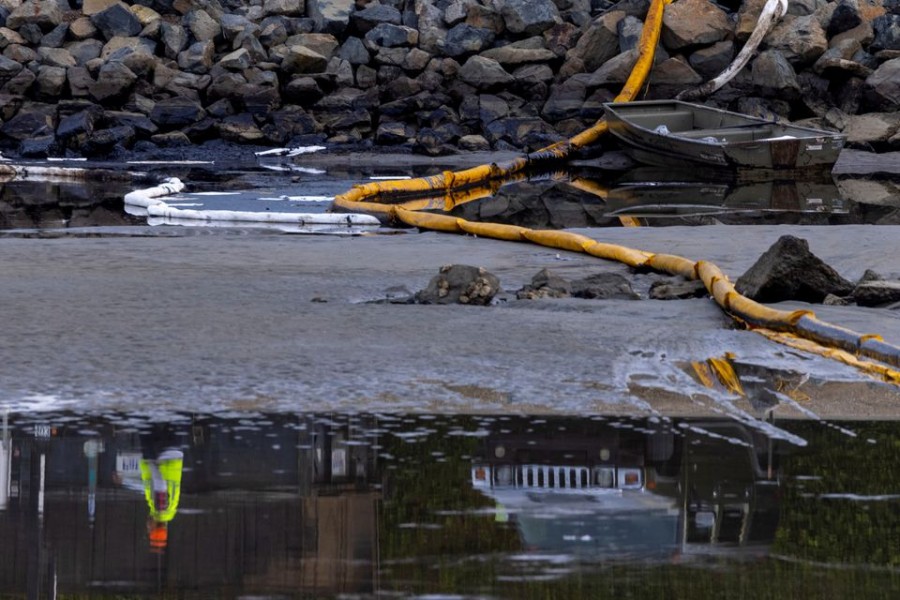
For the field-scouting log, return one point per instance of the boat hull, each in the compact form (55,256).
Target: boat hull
(673,133)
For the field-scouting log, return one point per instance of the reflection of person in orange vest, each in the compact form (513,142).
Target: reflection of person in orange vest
(161,475)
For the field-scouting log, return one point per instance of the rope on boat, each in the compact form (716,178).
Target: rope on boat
(771,13)
(786,327)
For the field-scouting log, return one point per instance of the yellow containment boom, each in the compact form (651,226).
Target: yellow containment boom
(451,188)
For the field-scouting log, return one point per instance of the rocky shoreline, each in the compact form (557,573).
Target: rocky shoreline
(96,77)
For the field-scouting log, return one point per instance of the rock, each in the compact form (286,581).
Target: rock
(288,8)
(677,290)
(172,139)
(604,286)
(599,43)
(39,147)
(676,74)
(56,37)
(102,142)
(114,82)
(530,17)
(236,61)
(46,14)
(877,293)
(197,58)
(519,53)
(202,26)
(174,39)
(84,50)
(330,16)
(92,7)
(545,284)
(882,88)
(629,29)
(176,112)
(463,39)
(801,40)
(364,20)
(116,20)
(484,73)
(240,129)
(8,69)
(565,100)
(473,143)
(844,17)
(868,191)
(774,76)
(887,32)
(872,127)
(693,22)
(460,284)
(832,300)
(33,120)
(789,271)
(300,59)
(712,60)
(354,51)
(82,29)
(386,35)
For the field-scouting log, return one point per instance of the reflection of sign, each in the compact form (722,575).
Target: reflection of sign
(42,431)
(128,462)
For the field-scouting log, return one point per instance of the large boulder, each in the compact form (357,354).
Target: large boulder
(46,14)
(883,86)
(801,40)
(330,16)
(789,271)
(484,73)
(116,20)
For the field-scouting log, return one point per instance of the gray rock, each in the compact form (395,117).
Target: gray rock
(887,32)
(330,16)
(139,122)
(56,57)
(463,39)
(530,17)
(46,14)
(234,25)
(33,120)
(877,293)
(102,142)
(565,100)
(630,29)
(675,74)
(801,40)
(545,284)
(174,39)
(432,31)
(882,87)
(604,286)
(202,26)
(514,54)
(460,284)
(80,80)
(789,271)
(82,29)
(289,8)
(176,112)
(832,300)
(172,139)
(773,75)
(872,127)
(532,75)
(354,51)
(240,129)
(50,82)
(116,20)
(712,60)
(114,82)
(599,43)
(56,37)
(8,69)
(40,147)
(393,132)
(84,50)
(615,71)
(300,59)
(693,22)
(197,58)
(677,290)
(386,35)
(236,61)
(473,143)
(484,73)
(373,14)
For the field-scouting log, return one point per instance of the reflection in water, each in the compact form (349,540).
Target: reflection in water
(577,197)
(483,506)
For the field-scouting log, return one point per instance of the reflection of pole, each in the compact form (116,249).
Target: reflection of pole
(5,463)
(42,480)
(92,448)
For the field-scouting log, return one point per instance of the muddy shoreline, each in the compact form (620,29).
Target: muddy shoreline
(242,320)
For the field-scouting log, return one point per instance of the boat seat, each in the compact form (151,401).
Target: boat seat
(731,133)
(675,120)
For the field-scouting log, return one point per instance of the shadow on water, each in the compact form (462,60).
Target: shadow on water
(579,196)
(368,505)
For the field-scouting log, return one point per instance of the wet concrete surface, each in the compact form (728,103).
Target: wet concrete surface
(238,319)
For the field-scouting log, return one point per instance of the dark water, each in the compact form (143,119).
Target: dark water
(579,196)
(397,506)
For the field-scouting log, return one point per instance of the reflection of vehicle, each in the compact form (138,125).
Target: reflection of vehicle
(616,490)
